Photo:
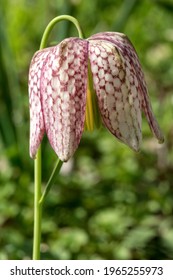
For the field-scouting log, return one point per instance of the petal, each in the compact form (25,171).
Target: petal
(36,114)
(118,99)
(63,91)
(131,62)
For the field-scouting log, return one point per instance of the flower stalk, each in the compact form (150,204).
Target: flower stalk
(52,24)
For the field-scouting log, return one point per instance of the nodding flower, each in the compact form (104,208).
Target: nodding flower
(79,82)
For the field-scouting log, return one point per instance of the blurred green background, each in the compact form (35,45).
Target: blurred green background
(108,202)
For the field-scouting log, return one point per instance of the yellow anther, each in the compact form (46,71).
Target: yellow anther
(92,118)
(89,120)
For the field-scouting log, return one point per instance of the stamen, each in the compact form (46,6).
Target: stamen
(92,118)
(89,111)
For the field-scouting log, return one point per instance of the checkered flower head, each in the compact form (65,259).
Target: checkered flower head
(58,88)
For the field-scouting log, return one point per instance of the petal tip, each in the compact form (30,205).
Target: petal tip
(136,149)
(32,154)
(134,146)
(161,140)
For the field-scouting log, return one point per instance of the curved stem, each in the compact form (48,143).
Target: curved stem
(53,22)
(38,197)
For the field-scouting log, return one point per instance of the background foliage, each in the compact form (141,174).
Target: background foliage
(108,202)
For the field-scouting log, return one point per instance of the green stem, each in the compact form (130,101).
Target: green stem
(53,22)
(37,206)
(38,197)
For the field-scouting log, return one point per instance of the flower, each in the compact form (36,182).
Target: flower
(58,90)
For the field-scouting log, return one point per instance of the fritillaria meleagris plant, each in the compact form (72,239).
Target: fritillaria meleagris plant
(79,82)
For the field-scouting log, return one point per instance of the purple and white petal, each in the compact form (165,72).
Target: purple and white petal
(36,113)
(117,94)
(131,61)
(63,93)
